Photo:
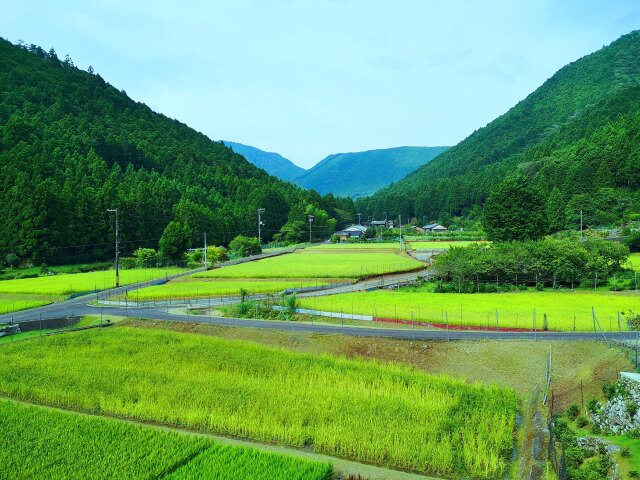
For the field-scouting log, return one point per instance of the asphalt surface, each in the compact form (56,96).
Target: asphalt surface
(81,306)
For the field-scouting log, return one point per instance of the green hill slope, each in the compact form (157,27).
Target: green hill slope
(362,173)
(272,163)
(72,146)
(577,133)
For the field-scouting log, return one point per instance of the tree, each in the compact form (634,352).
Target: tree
(556,217)
(514,211)
(245,246)
(13,260)
(146,257)
(175,240)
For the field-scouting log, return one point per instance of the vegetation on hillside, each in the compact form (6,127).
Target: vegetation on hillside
(577,138)
(72,146)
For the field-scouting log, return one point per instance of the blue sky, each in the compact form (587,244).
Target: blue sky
(310,78)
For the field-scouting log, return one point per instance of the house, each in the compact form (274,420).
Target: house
(379,223)
(354,231)
(435,228)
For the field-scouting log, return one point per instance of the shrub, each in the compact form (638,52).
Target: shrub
(595,429)
(582,421)
(634,434)
(146,257)
(12,260)
(573,411)
(245,246)
(217,254)
(127,263)
(609,390)
(593,406)
(625,452)
(634,474)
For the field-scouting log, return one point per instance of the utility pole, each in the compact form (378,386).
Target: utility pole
(400,223)
(117,246)
(311,217)
(260,212)
(359,215)
(580,225)
(206,266)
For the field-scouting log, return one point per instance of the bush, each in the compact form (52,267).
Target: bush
(146,257)
(582,421)
(573,411)
(127,262)
(12,260)
(593,406)
(595,429)
(625,452)
(217,254)
(609,390)
(245,246)
(633,434)
(634,474)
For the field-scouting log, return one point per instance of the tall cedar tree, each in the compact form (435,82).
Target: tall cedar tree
(515,211)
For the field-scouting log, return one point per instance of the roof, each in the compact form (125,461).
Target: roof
(379,222)
(353,228)
(432,226)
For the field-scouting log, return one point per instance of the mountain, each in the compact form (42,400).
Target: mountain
(273,163)
(577,137)
(73,146)
(362,173)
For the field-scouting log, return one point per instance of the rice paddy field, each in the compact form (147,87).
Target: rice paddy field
(357,246)
(317,264)
(442,244)
(514,310)
(13,303)
(211,287)
(67,284)
(43,443)
(634,261)
(371,412)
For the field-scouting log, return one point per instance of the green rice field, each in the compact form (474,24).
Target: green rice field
(442,245)
(317,264)
(13,303)
(371,412)
(67,284)
(203,288)
(515,310)
(357,246)
(42,443)
(634,261)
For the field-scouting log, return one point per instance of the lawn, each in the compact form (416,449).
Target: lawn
(42,443)
(515,310)
(371,412)
(203,288)
(317,264)
(67,284)
(442,244)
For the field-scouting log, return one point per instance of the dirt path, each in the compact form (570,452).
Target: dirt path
(341,466)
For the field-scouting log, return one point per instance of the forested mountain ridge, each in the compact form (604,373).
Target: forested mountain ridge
(72,146)
(358,174)
(576,138)
(272,163)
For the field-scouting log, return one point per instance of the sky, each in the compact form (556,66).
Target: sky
(310,78)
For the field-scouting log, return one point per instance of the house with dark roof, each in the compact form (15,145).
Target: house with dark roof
(354,231)
(435,228)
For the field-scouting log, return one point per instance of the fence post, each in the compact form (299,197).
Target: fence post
(535,333)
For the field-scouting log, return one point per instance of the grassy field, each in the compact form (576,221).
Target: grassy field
(515,310)
(442,245)
(42,443)
(67,284)
(202,288)
(375,413)
(317,264)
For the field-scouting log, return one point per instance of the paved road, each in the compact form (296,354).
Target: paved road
(81,306)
